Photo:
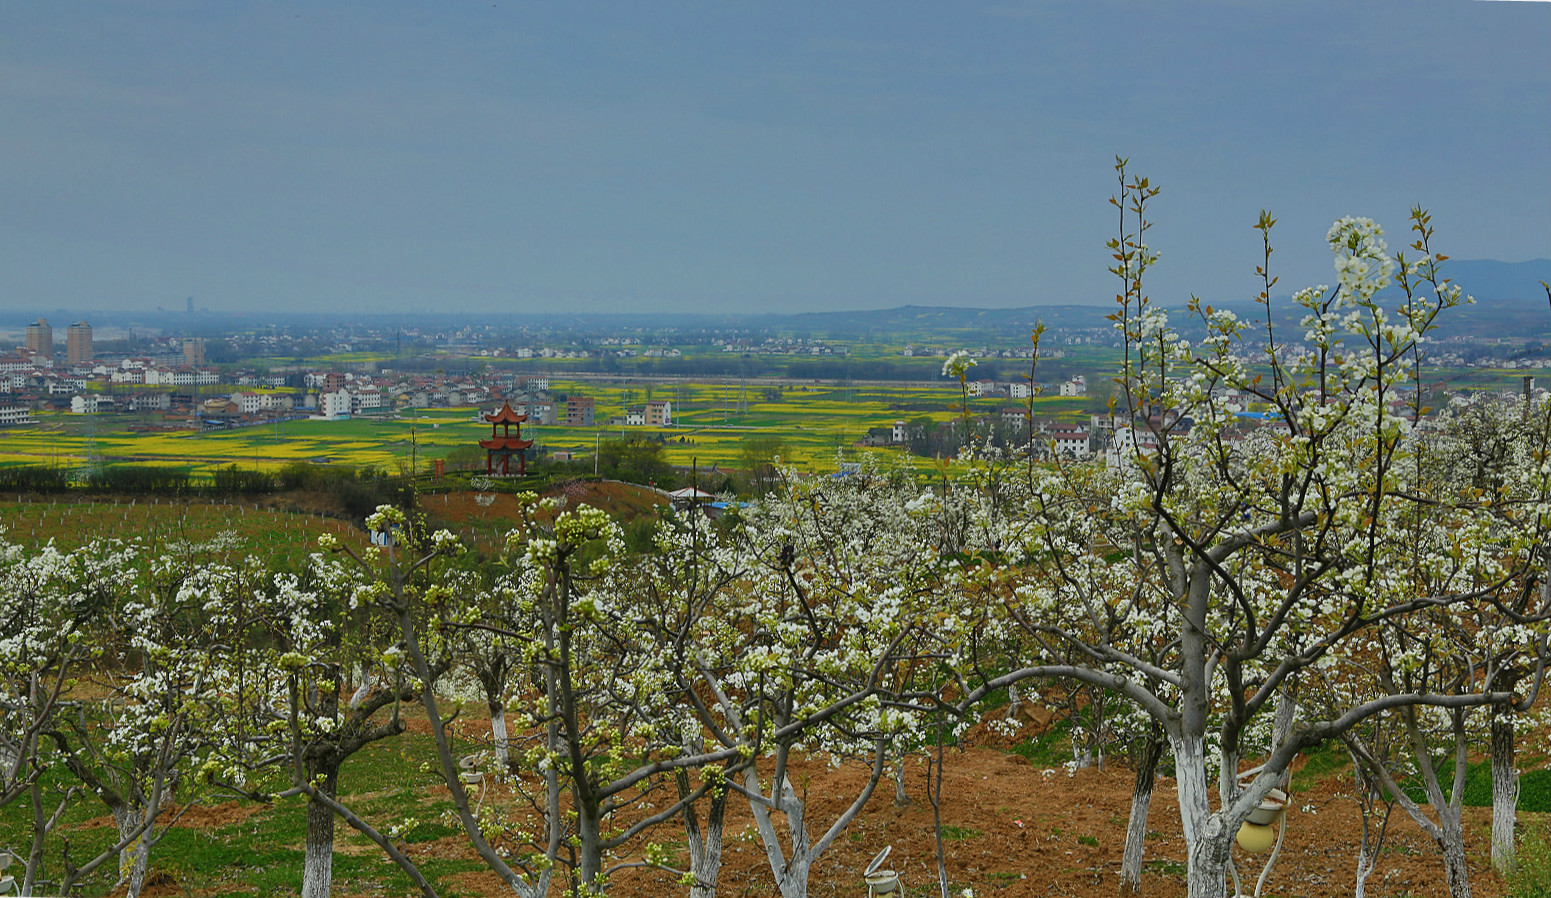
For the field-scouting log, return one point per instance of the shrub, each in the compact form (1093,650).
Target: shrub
(141,479)
(33,479)
(231,480)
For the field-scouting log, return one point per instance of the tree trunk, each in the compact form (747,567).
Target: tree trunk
(1455,870)
(136,855)
(1141,803)
(791,876)
(705,847)
(323,770)
(318,858)
(40,828)
(1366,861)
(502,741)
(1205,873)
(1207,842)
(1505,793)
(589,827)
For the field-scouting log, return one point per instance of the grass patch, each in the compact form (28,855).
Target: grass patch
(1048,749)
(1534,788)
(1532,878)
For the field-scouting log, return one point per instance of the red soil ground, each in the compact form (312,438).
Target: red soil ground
(1018,830)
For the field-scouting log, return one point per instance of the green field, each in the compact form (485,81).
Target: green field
(226,531)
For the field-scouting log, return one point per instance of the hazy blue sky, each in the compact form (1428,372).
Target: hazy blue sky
(742,156)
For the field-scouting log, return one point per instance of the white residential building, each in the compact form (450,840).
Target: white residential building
(366,400)
(90,404)
(1069,441)
(149,402)
(250,403)
(1129,443)
(334,405)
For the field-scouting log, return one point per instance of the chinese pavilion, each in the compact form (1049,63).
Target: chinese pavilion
(500,448)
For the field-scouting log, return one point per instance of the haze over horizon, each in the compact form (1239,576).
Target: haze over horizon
(700,157)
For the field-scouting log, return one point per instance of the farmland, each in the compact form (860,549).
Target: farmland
(815,424)
(207,530)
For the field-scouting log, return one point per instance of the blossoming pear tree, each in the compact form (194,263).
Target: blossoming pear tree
(1498,450)
(1487,528)
(296,638)
(1244,556)
(685,598)
(56,605)
(139,733)
(837,577)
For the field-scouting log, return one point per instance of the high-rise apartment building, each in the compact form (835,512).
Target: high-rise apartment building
(78,344)
(40,338)
(193,350)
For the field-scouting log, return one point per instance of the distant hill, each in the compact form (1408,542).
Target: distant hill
(939,324)
(1509,298)
(1509,302)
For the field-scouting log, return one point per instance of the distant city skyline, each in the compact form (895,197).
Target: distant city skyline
(701,157)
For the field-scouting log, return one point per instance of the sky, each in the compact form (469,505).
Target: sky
(733,156)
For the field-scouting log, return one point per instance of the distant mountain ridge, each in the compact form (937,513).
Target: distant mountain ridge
(1509,298)
(1509,302)
(1490,279)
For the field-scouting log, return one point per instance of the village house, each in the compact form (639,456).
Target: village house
(1069,441)
(14,415)
(579,411)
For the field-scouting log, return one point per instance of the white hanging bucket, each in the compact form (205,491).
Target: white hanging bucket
(1270,808)
(881,882)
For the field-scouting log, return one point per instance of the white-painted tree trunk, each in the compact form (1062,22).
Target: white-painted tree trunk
(1136,841)
(705,851)
(1136,829)
(791,876)
(1207,841)
(1366,861)
(1369,792)
(791,871)
(318,847)
(501,740)
(1505,793)
(135,856)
